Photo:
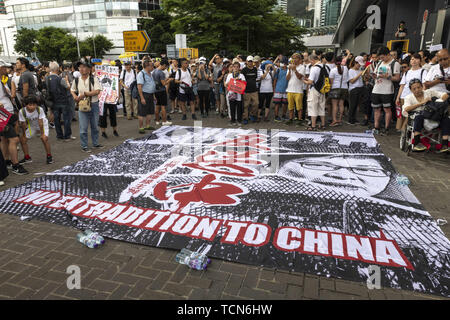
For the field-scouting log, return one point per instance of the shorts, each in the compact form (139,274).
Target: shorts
(280,98)
(339,94)
(173,93)
(149,107)
(9,131)
(186,97)
(161,98)
(32,131)
(382,100)
(295,100)
(316,103)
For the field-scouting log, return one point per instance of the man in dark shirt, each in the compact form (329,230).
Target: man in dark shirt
(251,91)
(27,84)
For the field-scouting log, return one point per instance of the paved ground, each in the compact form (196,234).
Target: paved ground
(34,255)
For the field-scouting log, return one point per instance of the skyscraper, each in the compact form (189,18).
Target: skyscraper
(2,7)
(283,4)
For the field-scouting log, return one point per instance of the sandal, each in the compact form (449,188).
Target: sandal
(311,129)
(335,124)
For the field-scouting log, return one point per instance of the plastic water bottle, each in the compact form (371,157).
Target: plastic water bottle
(402,180)
(94,236)
(86,241)
(194,260)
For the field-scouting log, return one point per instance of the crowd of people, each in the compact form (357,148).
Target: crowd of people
(301,89)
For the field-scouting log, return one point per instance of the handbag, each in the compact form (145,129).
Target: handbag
(434,110)
(85,105)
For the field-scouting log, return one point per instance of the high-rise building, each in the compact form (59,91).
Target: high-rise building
(2,7)
(283,4)
(327,12)
(84,18)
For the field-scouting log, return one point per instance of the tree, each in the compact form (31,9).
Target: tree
(214,25)
(25,41)
(102,45)
(50,42)
(159,30)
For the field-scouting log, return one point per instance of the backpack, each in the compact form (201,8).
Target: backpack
(55,93)
(434,110)
(322,84)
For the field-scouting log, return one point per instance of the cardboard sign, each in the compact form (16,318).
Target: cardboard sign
(4,118)
(237,86)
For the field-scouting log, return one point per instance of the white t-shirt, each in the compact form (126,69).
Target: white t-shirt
(294,84)
(129,77)
(33,117)
(314,73)
(383,85)
(339,81)
(435,73)
(411,100)
(266,84)
(5,93)
(229,76)
(331,65)
(352,73)
(408,76)
(185,77)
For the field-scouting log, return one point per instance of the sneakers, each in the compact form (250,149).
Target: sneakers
(86,149)
(149,128)
(115,133)
(157,123)
(168,118)
(104,135)
(99,146)
(2,183)
(384,132)
(8,164)
(443,149)
(245,121)
(375,131)
(419,147)
(49,159)
(232,123)
(184,117)
(18,169)
(29,160)
(69,139)
(51,125)
(141,130)
(167,123)
(277,119)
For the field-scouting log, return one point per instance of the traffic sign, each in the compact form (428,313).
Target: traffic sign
(188,53)
(136,41)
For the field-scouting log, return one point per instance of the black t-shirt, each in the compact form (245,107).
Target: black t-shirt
(250,76)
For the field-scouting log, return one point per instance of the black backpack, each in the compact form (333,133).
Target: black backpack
(435,110)
(56,93)
(323,82)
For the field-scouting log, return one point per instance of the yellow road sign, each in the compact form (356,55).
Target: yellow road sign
(136,41)
(188,53)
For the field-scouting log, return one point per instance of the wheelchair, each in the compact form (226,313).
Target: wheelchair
(430,138)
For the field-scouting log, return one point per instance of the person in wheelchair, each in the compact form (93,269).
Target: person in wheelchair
(416,102)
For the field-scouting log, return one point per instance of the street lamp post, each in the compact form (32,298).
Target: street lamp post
(6,43)
(76,29)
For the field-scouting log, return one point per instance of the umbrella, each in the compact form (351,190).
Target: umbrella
(127,55)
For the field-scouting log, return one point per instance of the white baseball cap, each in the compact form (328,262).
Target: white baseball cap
(250,58)
(360,60)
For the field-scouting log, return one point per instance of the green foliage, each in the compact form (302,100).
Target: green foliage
(214,25)
(52,43)
(159,30)
(25,41)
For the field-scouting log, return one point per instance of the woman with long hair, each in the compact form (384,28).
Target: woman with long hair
(339,91)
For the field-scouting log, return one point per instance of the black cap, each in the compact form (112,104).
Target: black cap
(84,62)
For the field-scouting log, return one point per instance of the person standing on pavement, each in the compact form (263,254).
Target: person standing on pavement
(438,78)
(204,83)
(58,89)
(9,136)
(251,99)
(387,71)
(316,99)
(294,77)
(86,88)
(128,82)
(161,82)
(147,88)
(186,93)
(217,64)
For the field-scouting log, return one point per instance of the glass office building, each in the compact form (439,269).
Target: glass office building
(84,17)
